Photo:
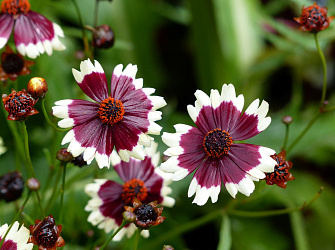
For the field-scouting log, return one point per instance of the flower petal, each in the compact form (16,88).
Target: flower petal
(6,27)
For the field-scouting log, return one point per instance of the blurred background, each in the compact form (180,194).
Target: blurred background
(181,46)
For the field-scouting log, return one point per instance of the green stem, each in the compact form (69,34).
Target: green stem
(39,202)
(26,147)
(324,66)
(137,239)
(286,136)
(48,119)
(62,190)
(184,228)
(54,191)
(86,45)
(124,223)
(253,214)
(96,11)
(15,217)
(309,125)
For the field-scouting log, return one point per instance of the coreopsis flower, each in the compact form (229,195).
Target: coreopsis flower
(13,65)
(147,215)
(211,150)
(3,149)
(33,33)
(11,186)
(45,234)
(122,119)
(281,175)
(313,18)
(140,179)
(19,105)
(16,238)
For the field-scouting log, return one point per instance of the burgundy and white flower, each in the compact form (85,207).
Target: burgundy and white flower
(123,118)
(33,33)
(16,238)
(210,149)
(140,179)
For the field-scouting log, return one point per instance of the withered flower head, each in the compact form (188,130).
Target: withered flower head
(46,234)
(13,65)
(313,18)
(281,173)
(103,37)
(19,105)
(147,215)
(79,160)
(11,186)
(37,87)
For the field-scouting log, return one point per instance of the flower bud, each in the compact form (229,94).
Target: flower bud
(33,184)
(129,216)
(103,37)
(168,247)
(63,155)
(37,87)
(287,120)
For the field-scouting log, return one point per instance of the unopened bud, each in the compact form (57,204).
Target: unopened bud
(168,247)
(129,216)
(287,120)
(37,87)
(63,155)
(33,184)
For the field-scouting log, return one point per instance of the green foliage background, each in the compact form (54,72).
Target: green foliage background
(180,46)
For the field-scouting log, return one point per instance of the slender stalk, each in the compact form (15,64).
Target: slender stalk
(324,66)
(124,223)
(309,125)
(15,218)
(252,214)
(26,147)
(185,227)
(286,135)
(48,119)
(39,202)
(96,11)
(86,45)
(54,191)
(62,190)
(138,233)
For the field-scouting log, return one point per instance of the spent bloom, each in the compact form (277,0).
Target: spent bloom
(19,105)
(13,65)
(146,215)
(141,179)
(45,234)
(210,149)
(11,186)
(16,238)
(33,33)
(103,37)
(281,175)
(313,18)
(122,118)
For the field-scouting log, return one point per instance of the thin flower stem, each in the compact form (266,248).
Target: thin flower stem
(124,223)
(286,136)
(185,227)
(137,238)
(39,202)
(309,125)
(86,45)
(54,191)
(324,66)
(48,119)
(26,148)
(15,218)
(96,11)
(62,190)
(252,214)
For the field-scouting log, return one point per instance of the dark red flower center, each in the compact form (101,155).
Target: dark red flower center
(217,143)
(134,188)
(281,171)
(111,111)
(314,15)
(146,214)
(19,104)
(12,64)
(46,237)
(14,7)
